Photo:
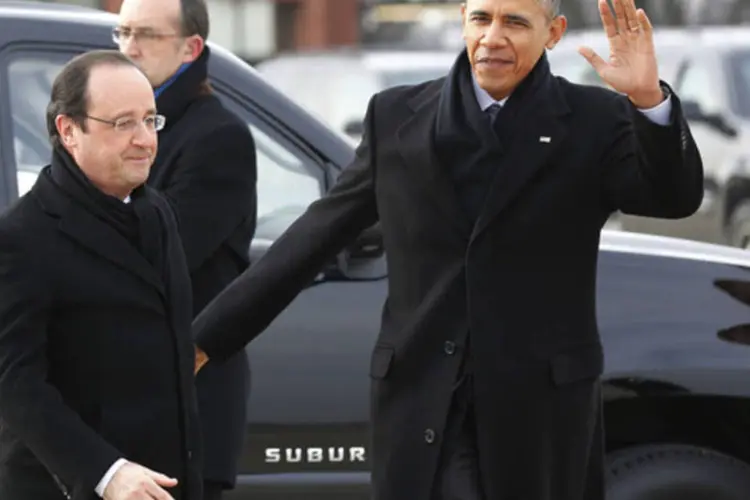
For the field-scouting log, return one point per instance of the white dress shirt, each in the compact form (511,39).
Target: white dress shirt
(659,114)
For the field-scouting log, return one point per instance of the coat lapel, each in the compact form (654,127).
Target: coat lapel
(537,136)
(416,144)
(98,237)
(103,240)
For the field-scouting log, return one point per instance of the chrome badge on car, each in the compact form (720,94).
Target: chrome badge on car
(315,455)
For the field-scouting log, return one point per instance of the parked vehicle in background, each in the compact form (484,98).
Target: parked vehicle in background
(336,85)
(673,314)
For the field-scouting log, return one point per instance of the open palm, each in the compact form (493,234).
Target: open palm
(632,68)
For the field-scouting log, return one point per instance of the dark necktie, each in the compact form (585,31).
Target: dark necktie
(493,111)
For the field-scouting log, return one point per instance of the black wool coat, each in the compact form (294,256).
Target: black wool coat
(577,154)
(96,352)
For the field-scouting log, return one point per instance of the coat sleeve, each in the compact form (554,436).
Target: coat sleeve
(249,304)
(31,407)
(213,190)
(652,170)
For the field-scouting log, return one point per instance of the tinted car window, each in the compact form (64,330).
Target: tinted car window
(30,78)
(289,179)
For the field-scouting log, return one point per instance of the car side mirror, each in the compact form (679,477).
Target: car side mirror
(692,111)
(364,259)
(354,128)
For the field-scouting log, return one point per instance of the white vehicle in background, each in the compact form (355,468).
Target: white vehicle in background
(337,85)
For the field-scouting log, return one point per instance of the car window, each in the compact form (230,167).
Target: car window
(30,78)
(289,179)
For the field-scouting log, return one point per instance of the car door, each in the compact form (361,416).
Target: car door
(308,407)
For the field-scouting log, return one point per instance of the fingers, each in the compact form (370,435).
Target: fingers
(608,19)
(157,479)
(594,59)
(645,23)
(622,20)
(201,358)
(160,479)
(157,493)
(630,16)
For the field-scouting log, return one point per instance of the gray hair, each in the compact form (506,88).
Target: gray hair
(552,7)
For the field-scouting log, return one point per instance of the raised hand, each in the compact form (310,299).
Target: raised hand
(135,482)
(632,67)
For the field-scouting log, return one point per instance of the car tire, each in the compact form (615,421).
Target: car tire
(676,472)
(739,226)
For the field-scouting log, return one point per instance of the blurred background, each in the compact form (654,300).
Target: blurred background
(332,55)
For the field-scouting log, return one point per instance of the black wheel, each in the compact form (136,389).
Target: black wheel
(676,472)
(739,226)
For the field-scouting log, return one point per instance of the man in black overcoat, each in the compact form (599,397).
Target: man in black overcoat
(206,169)
(491,187)
(97,392)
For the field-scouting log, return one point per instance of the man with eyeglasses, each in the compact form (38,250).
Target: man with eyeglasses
(97,393)
(206,168)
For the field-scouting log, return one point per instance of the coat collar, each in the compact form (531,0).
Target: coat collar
(539,114)
(176,95)
(91,232)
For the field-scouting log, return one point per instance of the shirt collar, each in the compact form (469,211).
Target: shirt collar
(484,99)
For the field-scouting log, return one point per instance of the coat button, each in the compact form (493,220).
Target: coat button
(449,347)
(429,436)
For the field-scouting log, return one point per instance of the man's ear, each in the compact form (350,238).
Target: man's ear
(65,129)
(193,48)
(556,30)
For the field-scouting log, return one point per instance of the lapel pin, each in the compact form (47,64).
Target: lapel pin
(544,138)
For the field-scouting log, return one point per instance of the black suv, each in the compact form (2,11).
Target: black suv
(673,313)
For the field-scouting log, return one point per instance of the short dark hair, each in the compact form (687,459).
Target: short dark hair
(69,94)
(194,18)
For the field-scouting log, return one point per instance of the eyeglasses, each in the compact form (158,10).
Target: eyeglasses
(152,122)
(122,35)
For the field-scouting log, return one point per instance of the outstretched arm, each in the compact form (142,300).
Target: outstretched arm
(247,306)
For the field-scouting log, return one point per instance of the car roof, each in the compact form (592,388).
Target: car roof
(54,11)
(671,247)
